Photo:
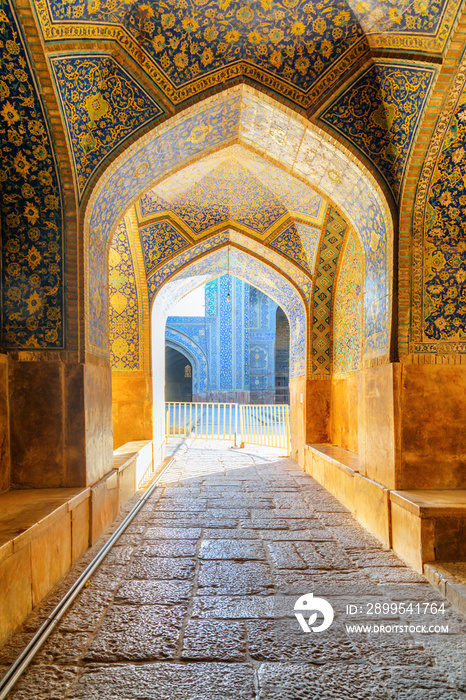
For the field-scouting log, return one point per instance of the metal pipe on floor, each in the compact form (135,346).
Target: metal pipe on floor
(18,667)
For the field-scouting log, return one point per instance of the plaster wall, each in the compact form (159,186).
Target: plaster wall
(318,401)
(433,426)
(131,408)
(344,412)
(298,418)
(47,424)
(379,423)
(4,426)
(98,421)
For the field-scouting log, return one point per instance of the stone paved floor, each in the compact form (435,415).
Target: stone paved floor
(196,601)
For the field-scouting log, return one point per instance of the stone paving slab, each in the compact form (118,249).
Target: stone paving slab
(305,681)
(231,549)
(196,601)
(138,633)
(217,640)
(159,681)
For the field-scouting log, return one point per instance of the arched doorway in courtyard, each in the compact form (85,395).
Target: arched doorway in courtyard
(292,206)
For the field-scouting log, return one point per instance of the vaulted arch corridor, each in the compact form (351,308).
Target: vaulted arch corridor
(195,601)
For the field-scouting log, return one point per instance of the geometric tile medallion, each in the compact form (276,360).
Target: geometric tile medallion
(229,193)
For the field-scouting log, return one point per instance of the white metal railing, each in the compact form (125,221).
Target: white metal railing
(211,421)
(265,424)
(259,424)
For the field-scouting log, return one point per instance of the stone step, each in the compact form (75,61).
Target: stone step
(450,579)
(429,525)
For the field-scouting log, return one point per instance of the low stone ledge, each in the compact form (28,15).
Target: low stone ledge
(450,579)
(42,531)
(337,470)
(26,513)
(133,461)
(429,525)
(344,459)
(432,504)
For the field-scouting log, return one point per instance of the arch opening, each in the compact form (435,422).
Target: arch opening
(178,375)
(258,124)
(242,266)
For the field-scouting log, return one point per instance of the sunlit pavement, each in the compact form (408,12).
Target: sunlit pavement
(196,602)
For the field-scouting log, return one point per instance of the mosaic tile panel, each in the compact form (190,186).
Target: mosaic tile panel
(347,309)
(102,105)
(249,317)
(226,332)
(289,47)
(444,294)
(322,300)
(380,112)
(31,207)
(300,243)
(211,298)
(241,331)
(262,341)
(159,242)
(124,305)
(228,194)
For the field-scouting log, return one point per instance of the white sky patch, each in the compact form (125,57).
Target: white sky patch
(193,304)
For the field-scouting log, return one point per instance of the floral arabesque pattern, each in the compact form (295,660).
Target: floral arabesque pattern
(125,305)
(445,240)
(103,105)
(31,209)
(347,305)
(380,114)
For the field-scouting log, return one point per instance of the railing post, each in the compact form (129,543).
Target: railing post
(288,445)
(241,424)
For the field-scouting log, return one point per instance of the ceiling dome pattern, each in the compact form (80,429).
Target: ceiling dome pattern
(190,45)
(224,178)
(188,142)
(233,188)
(229,194)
